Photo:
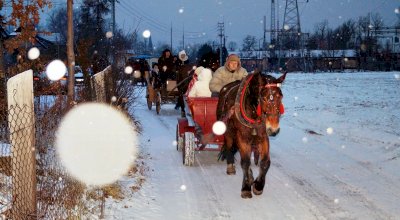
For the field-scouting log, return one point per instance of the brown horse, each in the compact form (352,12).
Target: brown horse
(251,109)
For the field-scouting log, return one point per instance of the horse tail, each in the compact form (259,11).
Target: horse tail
(222,155)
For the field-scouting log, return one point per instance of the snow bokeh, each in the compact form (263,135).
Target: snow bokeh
(55,70)
(33,53)
(113,99)
(146,33)
(219,128)
(96,143)
(128,70)
(109,34)
(136,74)
(329,130)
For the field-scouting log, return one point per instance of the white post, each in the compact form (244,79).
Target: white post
(21,123)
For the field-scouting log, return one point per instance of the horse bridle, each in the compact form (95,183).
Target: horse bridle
(270,98)
(258,110)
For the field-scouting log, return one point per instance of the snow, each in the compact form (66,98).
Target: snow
(5,149)
(336,157)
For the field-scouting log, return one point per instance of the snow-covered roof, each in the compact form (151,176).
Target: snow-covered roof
(296,53)
(51,37)
(332,53)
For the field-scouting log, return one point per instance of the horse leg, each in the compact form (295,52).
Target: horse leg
(256,154)
(265,163)
(245,154)
(230,157)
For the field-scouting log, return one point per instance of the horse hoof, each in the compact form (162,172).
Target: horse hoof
(246,195)
(230,170)
(257,192)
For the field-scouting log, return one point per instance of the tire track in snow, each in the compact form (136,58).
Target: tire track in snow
(326,203)
(220,210)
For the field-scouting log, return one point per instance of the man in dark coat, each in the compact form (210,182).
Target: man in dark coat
(183,69)
(166,65)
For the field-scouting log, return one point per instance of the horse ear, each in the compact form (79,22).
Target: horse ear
(282,78)
(256,71)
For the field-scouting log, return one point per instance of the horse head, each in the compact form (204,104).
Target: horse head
(270,102)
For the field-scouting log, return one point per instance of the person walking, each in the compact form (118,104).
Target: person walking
(182,72)
(166,65)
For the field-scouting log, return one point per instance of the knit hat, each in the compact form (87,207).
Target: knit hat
(182,56)
(198,70)
(232,57)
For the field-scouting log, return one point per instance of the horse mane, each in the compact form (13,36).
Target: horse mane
(227,97)
(253,90)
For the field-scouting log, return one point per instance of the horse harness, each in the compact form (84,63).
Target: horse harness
(239,105)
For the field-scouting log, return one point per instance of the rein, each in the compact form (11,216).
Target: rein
(242,93)
(258,109)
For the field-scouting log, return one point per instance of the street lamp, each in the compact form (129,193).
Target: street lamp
(109,54)
(146,34)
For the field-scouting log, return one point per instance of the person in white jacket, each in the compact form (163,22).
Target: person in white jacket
(201,87)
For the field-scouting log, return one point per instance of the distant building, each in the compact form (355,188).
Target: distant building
(388,39)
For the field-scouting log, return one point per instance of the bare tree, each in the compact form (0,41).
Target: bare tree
(344,35)
(232,45)
(25,15)
(363,29)
(377,22)
(320,33)
(249,45)
(57,21)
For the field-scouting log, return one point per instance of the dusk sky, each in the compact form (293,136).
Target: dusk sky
(199,19)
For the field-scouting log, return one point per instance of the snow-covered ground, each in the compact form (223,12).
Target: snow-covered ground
(337,157)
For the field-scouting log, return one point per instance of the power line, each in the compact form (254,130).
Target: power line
(159,25)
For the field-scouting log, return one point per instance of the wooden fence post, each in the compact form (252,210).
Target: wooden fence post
(21,123)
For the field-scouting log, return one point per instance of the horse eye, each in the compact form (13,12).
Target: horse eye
(271,97)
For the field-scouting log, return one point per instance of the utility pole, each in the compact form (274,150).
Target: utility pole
(265,29)
(273,41)
(221,37)
(171,37)
(70,54)
(183,37)
(113,16)
(273,30)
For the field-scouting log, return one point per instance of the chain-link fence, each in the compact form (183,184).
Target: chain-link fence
(33,183)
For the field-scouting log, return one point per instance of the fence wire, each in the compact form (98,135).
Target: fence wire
(33,182)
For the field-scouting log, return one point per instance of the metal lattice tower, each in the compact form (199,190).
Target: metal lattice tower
(291,29)
(273,30)
(291,19)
